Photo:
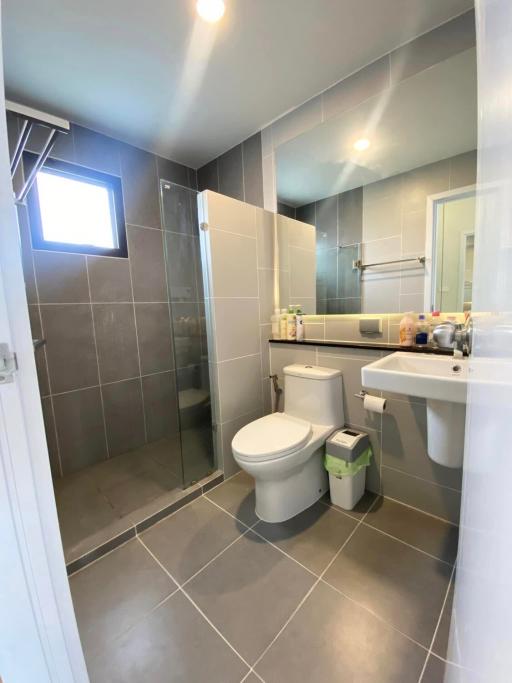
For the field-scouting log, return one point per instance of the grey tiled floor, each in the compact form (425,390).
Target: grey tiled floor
(212,594)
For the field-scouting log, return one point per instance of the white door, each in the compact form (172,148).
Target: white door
(38,634)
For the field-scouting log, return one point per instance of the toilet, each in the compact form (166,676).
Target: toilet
(284,451)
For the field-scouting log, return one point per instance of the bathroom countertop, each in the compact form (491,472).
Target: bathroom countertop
(377,346)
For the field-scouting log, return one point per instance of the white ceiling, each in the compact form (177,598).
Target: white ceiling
(154,74)
(428,117)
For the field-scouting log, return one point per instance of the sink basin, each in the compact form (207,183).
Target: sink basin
(442,381)
(429,376)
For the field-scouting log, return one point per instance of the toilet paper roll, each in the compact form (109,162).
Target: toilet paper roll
(374,403)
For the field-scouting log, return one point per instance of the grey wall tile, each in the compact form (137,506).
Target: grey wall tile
(80,429)
(350,216)
(306,213)
(181,255)
(231,174)
(109,279)
(435,46)
(63,148)
(124,416)
(351,91)
(160,405)
(421,182)
(179,207)
(208,177)
(404,444)
(421,494)
(145,249)
(174,172)
(239,387)
(61,278)
(140,187)
(40,354)
(116,341)
(186,330)
(327,223)
(155,339)
(349,278)
(463,170)
(252,170)
(51,436)
(70,349)
(96,151)
(285,210)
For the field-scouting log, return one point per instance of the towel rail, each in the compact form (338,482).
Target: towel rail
(363,266)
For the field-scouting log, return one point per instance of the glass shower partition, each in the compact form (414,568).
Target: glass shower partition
(186,294)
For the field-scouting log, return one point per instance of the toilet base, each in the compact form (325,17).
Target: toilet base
(280,499)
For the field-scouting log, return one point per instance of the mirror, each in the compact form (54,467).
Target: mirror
(388,187)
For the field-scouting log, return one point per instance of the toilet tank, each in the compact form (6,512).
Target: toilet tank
(314,393)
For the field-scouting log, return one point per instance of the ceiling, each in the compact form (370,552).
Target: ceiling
(157,76)
(425,118)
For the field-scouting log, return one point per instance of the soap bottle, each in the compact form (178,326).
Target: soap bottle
(422,330)
(435,320)
(282,324)
(275,320)
(291,324)
(406,335)
(299,321)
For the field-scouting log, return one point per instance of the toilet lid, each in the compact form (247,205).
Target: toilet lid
(271,436)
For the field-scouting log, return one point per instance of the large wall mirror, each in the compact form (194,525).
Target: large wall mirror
(388,187)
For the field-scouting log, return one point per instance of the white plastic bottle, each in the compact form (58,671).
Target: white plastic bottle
(299,321)
(282,324)
(291,325)
(407,329)
(275,320)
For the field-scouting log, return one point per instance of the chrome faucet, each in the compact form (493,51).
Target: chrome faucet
(454,336)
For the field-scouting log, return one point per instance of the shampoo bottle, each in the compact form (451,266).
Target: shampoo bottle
(299,320)
(422,330)
(407,330)
(291,325)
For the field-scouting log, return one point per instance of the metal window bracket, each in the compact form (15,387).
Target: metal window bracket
(8,364)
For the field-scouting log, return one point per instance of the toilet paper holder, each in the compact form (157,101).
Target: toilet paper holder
(361,394)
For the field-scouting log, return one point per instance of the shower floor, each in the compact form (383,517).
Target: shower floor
(99,501)
(213,594)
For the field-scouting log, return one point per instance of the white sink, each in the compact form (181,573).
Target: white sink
(442,380)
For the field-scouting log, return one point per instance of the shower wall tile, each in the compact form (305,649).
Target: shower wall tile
(109,279)
(61,278)
(326,221)
(231,174)
(116,341)
(124,416)
(131,403)
(350,217)
(155,338)
(463,170)
(145,249)
(70,348)
(80,429)
(186,328)
(252,175)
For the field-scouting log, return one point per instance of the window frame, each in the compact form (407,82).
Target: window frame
(65,168)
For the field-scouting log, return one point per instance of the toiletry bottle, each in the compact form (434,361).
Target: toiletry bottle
(299,320)
(435,320)
(282,324)
(406,337)
(291,325)
(422,330)
(275,319)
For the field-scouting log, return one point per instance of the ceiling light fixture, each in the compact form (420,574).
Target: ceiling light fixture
(361,144)
(211,10)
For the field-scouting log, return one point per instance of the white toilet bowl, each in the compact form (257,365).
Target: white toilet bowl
(284,451)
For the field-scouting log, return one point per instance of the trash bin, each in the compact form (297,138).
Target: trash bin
(347,455)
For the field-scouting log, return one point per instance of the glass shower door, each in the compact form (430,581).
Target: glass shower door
(185,286)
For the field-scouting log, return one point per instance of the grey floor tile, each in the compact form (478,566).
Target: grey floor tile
(361,507)
(115,592)
(412,526)
(440,646)
(150,484)
(191,537)
(313,537)
(331,640)
(249,592)
(236,495)
(173,644)
(437,671)
(403,586)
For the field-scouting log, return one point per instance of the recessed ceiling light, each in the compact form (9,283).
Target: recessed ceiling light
(361,144)
(211,10)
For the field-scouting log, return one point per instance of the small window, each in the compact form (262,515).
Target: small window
(76,209)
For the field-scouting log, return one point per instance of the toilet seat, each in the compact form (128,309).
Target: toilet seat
(271,437)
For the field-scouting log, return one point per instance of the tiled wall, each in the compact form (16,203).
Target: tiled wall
(237,173)
(238,250)
(107,374)
(401,468)
(379,222)
(435,46)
